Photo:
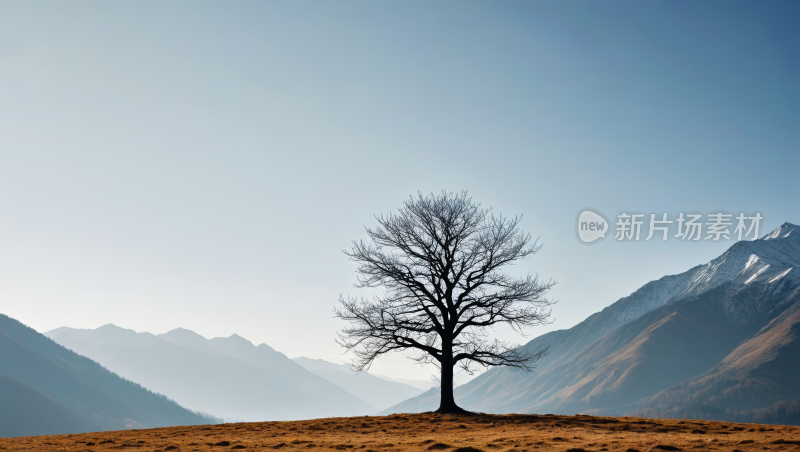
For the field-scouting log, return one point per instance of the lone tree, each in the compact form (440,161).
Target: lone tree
(438,261)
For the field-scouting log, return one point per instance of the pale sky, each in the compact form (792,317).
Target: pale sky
(203,164)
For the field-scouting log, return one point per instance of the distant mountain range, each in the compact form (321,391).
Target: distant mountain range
(720,341)
(369,388)
(229,377)
(47,389)
(419,384)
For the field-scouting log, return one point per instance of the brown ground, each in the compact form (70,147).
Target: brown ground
(433,432)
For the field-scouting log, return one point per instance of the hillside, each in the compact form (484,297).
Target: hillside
(756,382)
(229,377)
(433,432)
(730,318)
(27,411)
(376,391)
(62,391)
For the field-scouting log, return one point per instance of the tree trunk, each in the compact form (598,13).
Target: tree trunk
(447,403)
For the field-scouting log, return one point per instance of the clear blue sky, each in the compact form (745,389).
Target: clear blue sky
(202,164)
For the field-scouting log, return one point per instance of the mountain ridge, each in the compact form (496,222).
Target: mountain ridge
(249,382)
(76,391)
(374,390)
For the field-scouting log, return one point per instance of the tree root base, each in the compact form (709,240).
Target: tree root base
(453,410)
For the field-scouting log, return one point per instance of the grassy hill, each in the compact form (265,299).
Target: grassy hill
(434,432)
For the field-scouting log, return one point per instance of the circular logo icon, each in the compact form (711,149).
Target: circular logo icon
(591,226)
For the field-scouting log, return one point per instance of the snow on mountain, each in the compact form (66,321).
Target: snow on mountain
(779,249)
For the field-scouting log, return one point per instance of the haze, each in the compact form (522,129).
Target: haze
(202,164)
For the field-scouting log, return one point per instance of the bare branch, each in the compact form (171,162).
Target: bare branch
(438,261)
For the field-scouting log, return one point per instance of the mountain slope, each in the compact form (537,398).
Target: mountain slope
(756,382)
(230,377)
(419,384)
(240,348)
(27,412)
(668,331)
(75,390)
(377,392)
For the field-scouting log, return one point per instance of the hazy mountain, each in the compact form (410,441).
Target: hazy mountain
(718,341)
(240,348)
(47,389)
(27,411)
(419,384)
(320,365)
(373,390)
(229,377)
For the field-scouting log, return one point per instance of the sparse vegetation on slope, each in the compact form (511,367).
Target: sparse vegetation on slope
(431,431)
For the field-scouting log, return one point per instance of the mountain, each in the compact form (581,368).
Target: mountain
(27,412)
(229,377)
(419,384)
(719,341)
(47,389)
(322,366)
(756,382)
(369,388)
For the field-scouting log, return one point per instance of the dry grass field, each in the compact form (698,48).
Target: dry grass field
(434,432)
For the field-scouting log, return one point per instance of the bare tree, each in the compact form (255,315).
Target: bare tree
(438,261)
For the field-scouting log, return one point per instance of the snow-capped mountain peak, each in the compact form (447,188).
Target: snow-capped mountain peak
(772,257)
(782,231)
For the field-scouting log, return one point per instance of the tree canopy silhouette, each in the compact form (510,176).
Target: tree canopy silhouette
(437,263)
